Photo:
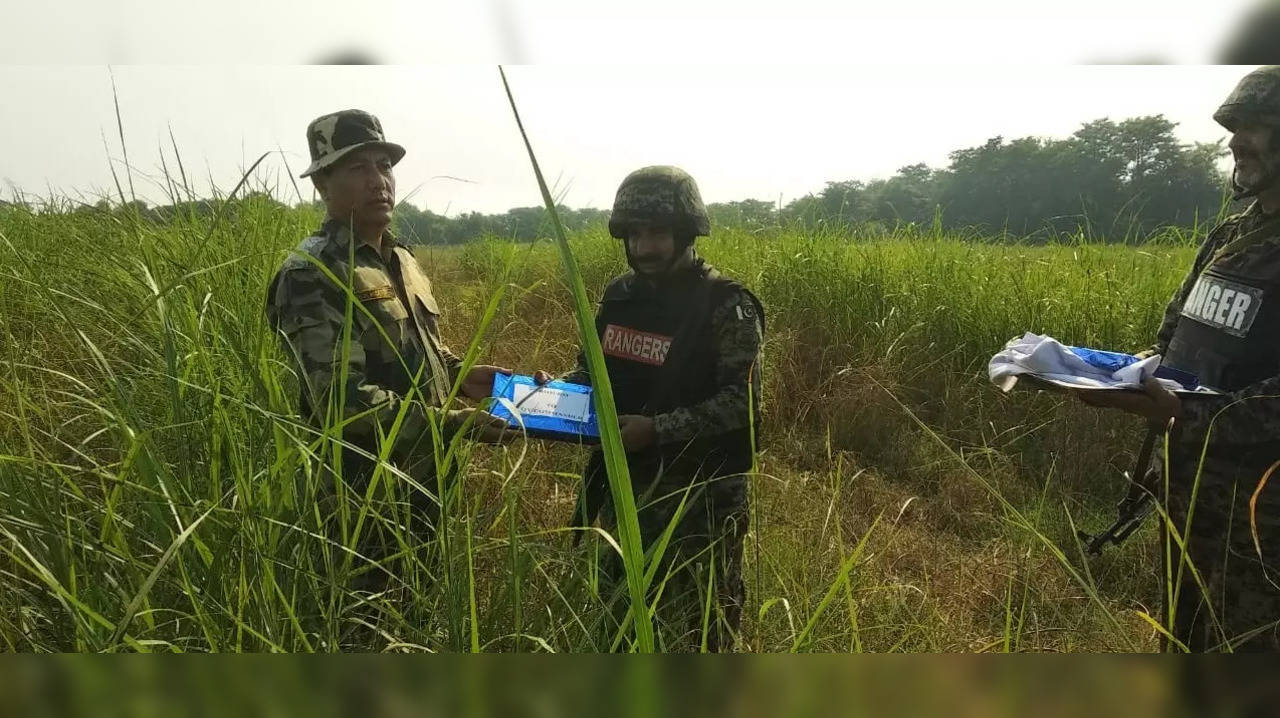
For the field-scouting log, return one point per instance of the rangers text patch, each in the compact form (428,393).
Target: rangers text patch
(628,343)
(1223,304)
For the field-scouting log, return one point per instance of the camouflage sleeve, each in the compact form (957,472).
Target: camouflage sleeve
(1248,416)
(309,312)
(452,362)
(1174,308)
(737,335)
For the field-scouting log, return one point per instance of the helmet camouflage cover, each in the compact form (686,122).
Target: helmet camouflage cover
(659,195)
(1256,99)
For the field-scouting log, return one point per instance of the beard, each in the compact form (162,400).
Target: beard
(1255,173)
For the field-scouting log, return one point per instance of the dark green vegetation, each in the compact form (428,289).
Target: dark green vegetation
(154,491)
(1109,182)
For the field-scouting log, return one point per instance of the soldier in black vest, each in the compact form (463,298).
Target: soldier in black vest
(682,347)
(1223,326)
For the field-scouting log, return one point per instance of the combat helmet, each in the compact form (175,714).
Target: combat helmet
(1256,99)
(660,195)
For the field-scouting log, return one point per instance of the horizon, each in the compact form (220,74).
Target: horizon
(464,153)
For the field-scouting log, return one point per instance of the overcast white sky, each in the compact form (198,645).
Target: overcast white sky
(764,132)
(679,31)
(757,99)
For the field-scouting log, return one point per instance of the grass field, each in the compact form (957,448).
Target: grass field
(155,491)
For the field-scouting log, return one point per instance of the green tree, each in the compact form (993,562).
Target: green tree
(751,214)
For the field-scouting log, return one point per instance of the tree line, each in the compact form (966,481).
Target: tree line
(1110,181)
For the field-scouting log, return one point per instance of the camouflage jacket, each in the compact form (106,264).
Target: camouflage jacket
(1258,419)
(393,345)
(736,334)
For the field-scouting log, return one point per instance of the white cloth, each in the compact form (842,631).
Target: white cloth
(1047,358)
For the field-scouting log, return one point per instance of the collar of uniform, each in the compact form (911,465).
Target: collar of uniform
(1257,210)
(338,231)
(695,270)
(1254,216)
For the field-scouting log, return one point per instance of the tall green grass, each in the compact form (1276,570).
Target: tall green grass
(158,491)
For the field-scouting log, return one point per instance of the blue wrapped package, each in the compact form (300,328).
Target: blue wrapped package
(556,410)
(1115,361)
(1111,361)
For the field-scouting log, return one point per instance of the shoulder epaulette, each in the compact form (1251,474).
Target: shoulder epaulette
(312,246)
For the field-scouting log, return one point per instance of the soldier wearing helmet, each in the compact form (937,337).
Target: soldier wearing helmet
(1250,113)
(682,348)
(1223,326)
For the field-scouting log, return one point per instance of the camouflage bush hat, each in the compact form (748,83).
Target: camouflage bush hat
(335,135)
(1256,99)
(659,195)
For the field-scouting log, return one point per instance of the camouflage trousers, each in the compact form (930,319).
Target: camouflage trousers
(698,584)
(1231,600)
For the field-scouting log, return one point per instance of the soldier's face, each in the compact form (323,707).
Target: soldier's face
(361,186)
(1255,156)
(652,247)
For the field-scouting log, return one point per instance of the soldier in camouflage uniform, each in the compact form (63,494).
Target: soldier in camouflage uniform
(682,348)
(357,317)
(1223,325)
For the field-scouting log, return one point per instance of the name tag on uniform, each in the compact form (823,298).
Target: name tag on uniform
(1221,303)
(634,345)
(375,293)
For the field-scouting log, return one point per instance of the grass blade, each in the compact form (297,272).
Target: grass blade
(615,457)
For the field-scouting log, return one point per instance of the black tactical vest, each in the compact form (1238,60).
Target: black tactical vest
(1229,331)
(1228,335)
(660,354)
